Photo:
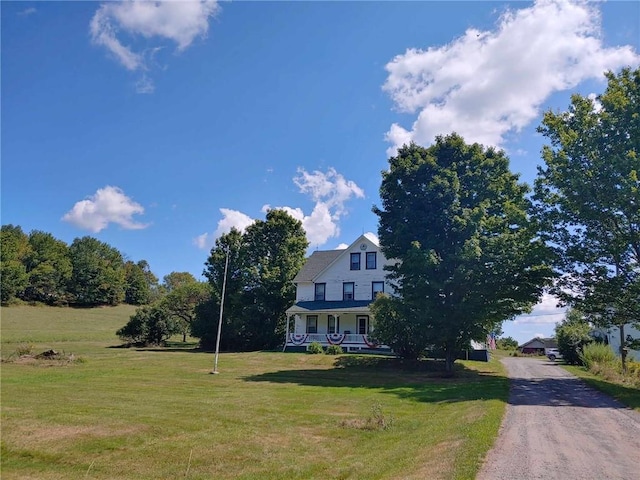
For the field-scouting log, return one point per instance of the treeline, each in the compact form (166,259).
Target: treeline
(261,264)
(39,268)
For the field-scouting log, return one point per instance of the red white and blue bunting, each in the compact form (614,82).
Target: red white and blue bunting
(298,338)
(370,342)
(335,338)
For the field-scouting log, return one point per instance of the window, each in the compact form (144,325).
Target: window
(347,291)
(312,324)
(355,261)
(333,325)
(320,288)
(371,261)
(376,288)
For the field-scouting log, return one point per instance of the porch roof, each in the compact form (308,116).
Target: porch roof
(325,305)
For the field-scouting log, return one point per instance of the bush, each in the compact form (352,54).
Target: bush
(315,348)
(572,336)
(334,350)
(597,354)
(149,325)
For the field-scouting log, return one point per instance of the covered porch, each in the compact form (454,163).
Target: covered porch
(345,323)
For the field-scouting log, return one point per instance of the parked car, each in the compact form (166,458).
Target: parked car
(552,353)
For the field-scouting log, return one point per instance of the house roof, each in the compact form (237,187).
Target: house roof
(317,262)
(321,259)
(342,305)
(546,342)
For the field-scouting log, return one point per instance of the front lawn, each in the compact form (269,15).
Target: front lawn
(160,413)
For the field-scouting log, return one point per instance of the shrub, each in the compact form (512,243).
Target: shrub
(334,350)
(315,348)
(572,336)
(149,325)
(597,354)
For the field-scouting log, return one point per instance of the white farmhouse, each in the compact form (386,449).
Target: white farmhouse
(333,292)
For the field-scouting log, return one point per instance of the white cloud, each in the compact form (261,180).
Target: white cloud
(27,11)
(107,205)
(342,246)
(178,21)
(544,312)
(230,219)
(330,191)
(145,85)
(484,85)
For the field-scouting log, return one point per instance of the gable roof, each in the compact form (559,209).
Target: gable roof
(546,342)
(321,259)
(317,262)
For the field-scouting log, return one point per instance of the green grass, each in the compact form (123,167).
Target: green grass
(625,394)
(159,413)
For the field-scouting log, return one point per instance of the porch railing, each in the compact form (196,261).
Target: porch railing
(325,339)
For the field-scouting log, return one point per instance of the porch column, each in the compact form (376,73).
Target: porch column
(286,335)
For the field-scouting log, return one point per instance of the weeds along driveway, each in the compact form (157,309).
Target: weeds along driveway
(556,427)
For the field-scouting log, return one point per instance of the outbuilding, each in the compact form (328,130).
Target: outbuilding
(537,345)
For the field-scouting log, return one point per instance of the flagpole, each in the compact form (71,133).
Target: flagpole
(224,286)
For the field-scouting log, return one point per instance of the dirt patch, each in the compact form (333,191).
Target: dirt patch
(43,436)
(436,463)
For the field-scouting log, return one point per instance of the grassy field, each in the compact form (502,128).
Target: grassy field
(159,413)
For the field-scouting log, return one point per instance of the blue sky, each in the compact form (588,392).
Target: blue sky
(157,126)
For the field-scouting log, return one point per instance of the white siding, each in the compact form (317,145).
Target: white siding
(613,336)
(340,272)
(305,292)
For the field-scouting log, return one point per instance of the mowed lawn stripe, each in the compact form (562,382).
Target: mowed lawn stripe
(159,413)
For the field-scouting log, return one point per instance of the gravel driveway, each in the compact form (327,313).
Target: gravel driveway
(557,428)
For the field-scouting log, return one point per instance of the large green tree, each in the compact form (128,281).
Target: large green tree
(181,303)
(139,283)
(588,195)
(262,264)
(205,326)
(14,248)
(456,220)
(49,269)
(98,276)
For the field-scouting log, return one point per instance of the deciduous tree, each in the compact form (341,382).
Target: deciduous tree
(14,248)
(456,220)
(98,276)
(49,269)
(588,195)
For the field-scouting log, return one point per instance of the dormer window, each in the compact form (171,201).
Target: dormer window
(320,291)
(355,261)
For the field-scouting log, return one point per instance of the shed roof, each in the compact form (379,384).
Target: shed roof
(320,305)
